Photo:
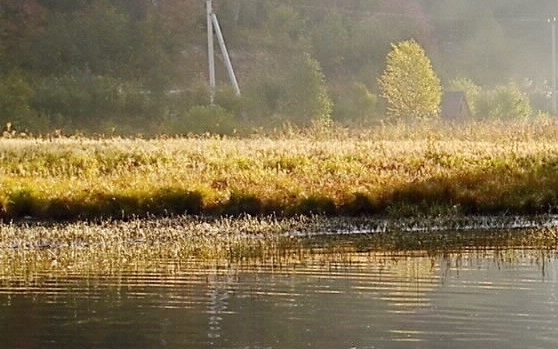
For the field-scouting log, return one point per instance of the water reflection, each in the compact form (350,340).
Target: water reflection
(496,299)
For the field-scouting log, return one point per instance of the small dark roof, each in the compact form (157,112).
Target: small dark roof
(455,106)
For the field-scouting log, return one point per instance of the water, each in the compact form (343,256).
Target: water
(463,300)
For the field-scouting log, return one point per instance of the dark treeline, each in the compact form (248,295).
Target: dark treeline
(141,65)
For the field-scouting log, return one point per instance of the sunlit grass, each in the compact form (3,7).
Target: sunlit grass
(394,170)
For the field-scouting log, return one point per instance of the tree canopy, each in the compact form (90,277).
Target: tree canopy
(409,84)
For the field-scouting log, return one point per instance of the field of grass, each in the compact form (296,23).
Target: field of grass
(394,170)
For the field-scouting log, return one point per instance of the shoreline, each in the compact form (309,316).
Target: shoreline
(81,205)
(28,249)
(197,235)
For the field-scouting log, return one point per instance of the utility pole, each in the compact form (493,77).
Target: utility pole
(213,27)
(552,21)
(210,52)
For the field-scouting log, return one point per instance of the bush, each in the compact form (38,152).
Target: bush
(16,94)
(293,91)
(503,103)
(263,95)
(355,103)
(226,98)
(305,97)
(204,119)
(83,101)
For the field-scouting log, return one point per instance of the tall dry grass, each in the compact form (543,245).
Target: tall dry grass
(389,169)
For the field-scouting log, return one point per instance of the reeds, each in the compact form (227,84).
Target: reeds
(31,252)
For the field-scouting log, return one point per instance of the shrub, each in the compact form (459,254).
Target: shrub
(355,103)
(15,105)
(226,98)
(204,119)
(306,98)
(81,100)
(289,91)
(503,103)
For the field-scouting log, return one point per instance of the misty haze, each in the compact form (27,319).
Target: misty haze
(278,174)
(128,67)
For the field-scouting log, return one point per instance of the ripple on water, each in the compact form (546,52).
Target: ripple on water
(491,299)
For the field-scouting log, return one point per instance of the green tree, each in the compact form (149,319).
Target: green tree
(16,94)
(285,26)
(305,96)
(409,84)
(330,40)
(293,91)
(504,103)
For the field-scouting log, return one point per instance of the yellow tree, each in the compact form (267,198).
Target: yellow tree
(409,84)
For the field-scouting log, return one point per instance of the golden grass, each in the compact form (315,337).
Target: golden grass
(393,169)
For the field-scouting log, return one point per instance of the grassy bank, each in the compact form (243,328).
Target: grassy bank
(389,170)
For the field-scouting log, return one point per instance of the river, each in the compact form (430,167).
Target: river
(466,299)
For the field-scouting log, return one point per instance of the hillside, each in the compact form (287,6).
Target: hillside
(111,65)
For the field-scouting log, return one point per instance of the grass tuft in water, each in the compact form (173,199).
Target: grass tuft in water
(30,251)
